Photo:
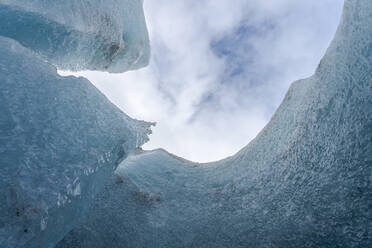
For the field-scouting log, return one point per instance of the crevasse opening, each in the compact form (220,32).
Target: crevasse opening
(72,173)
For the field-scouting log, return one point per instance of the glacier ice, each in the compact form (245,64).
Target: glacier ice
(304,181)
(60,140)
(108,35)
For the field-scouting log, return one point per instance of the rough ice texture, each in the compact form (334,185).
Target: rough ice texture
(304,181)
(60,141)
(108,35)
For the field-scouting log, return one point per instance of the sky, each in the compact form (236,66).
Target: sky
(219,69)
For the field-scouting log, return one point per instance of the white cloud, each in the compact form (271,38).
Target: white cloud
(203,112)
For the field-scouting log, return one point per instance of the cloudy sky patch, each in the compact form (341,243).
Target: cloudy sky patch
(219,69)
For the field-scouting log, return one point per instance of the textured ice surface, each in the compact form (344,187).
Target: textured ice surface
(108,35)
(60,141)
(305,181)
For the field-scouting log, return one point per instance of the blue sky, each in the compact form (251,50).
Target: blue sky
(219,69)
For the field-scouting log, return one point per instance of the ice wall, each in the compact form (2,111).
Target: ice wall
(60,141)
(108,35)
(304,181)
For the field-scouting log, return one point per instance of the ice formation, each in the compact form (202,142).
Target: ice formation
(304,181)
(60,140)
(108,35)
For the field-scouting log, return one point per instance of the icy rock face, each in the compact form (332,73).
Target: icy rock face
(60,141)
(154,200)
(305,181)
(108,35)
